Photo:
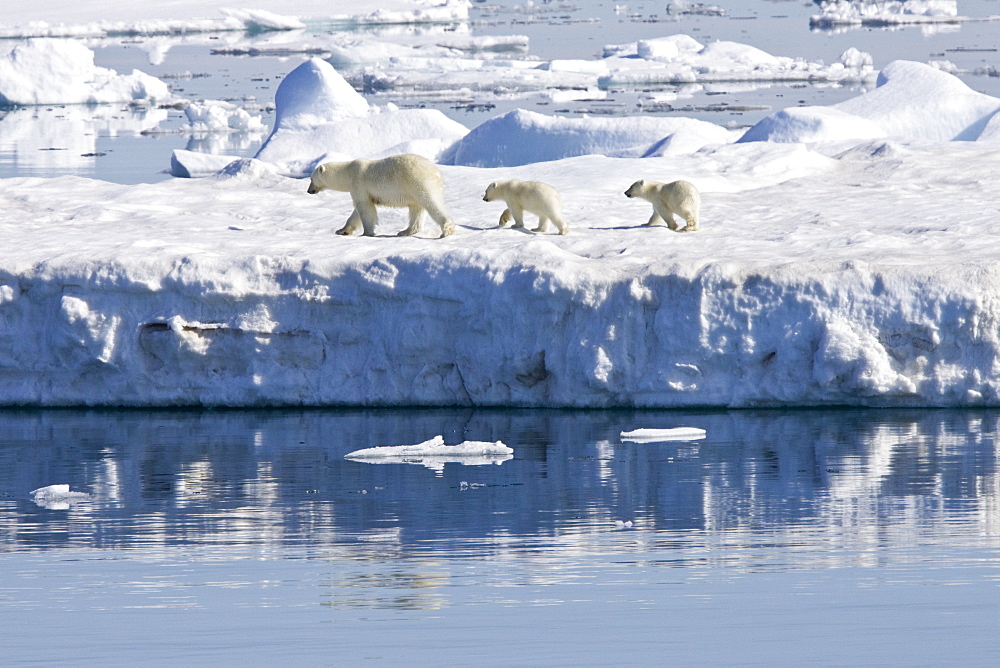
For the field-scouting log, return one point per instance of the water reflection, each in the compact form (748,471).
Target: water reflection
(40,141)
(831,485)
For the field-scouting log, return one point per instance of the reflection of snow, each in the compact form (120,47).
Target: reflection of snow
(63,138)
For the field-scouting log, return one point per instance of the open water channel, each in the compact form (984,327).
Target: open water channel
(819,537)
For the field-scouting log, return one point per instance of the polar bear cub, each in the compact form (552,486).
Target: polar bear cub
(534,197)
(678,197)
(399,181)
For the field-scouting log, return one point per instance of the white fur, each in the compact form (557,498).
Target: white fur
(534,197)
(400,181)
(679,197)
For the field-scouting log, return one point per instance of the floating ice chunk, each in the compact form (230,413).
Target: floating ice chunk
(53,71)
(653,435)
(221,116)
(57,497)
(434,454)
(619,524)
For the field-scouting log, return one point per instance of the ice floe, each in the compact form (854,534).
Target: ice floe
(434,454)
(49,71)
(57,497)
(670,434)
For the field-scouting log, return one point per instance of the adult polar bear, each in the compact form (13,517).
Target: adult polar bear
(677,197)
(399,181)
(534,197)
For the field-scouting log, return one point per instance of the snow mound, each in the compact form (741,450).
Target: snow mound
(812,124)
(57,497)
(912,102)
(520,137)
(656,435)
(319,117)
(434,454)
(48,71)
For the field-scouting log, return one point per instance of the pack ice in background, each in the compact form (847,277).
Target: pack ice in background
(847,251)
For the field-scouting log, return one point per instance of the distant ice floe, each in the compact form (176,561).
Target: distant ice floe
(57,497)
(248,20)
(837,13)
(434,454)
(683,59)
(49,71)
(676,59)
(656,435)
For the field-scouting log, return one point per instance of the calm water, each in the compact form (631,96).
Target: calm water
(844,537)
(127,145)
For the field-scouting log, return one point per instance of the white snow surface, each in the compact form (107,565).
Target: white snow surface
(658,435)
(831,267)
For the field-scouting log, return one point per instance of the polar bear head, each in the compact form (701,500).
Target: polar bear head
(333,176)
(491,192)
(636,189)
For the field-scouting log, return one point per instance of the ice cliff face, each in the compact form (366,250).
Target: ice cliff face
(460,329)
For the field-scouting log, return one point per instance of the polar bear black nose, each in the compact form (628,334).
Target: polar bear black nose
(312,189)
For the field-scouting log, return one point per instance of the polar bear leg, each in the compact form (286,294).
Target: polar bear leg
(352,226)
(505,217)
(691,217)
(416,215)
(369,216)
(654,219)
(518,215)
(667,214)
(441,218)
(543,224)
(561,224)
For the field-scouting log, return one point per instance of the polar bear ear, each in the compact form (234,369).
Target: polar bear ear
(321,168)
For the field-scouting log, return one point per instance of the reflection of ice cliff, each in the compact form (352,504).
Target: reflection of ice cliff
(822,480)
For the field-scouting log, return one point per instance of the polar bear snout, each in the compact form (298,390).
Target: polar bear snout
(312,190)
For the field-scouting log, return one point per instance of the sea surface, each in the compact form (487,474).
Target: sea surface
(125,144)
(810,537)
